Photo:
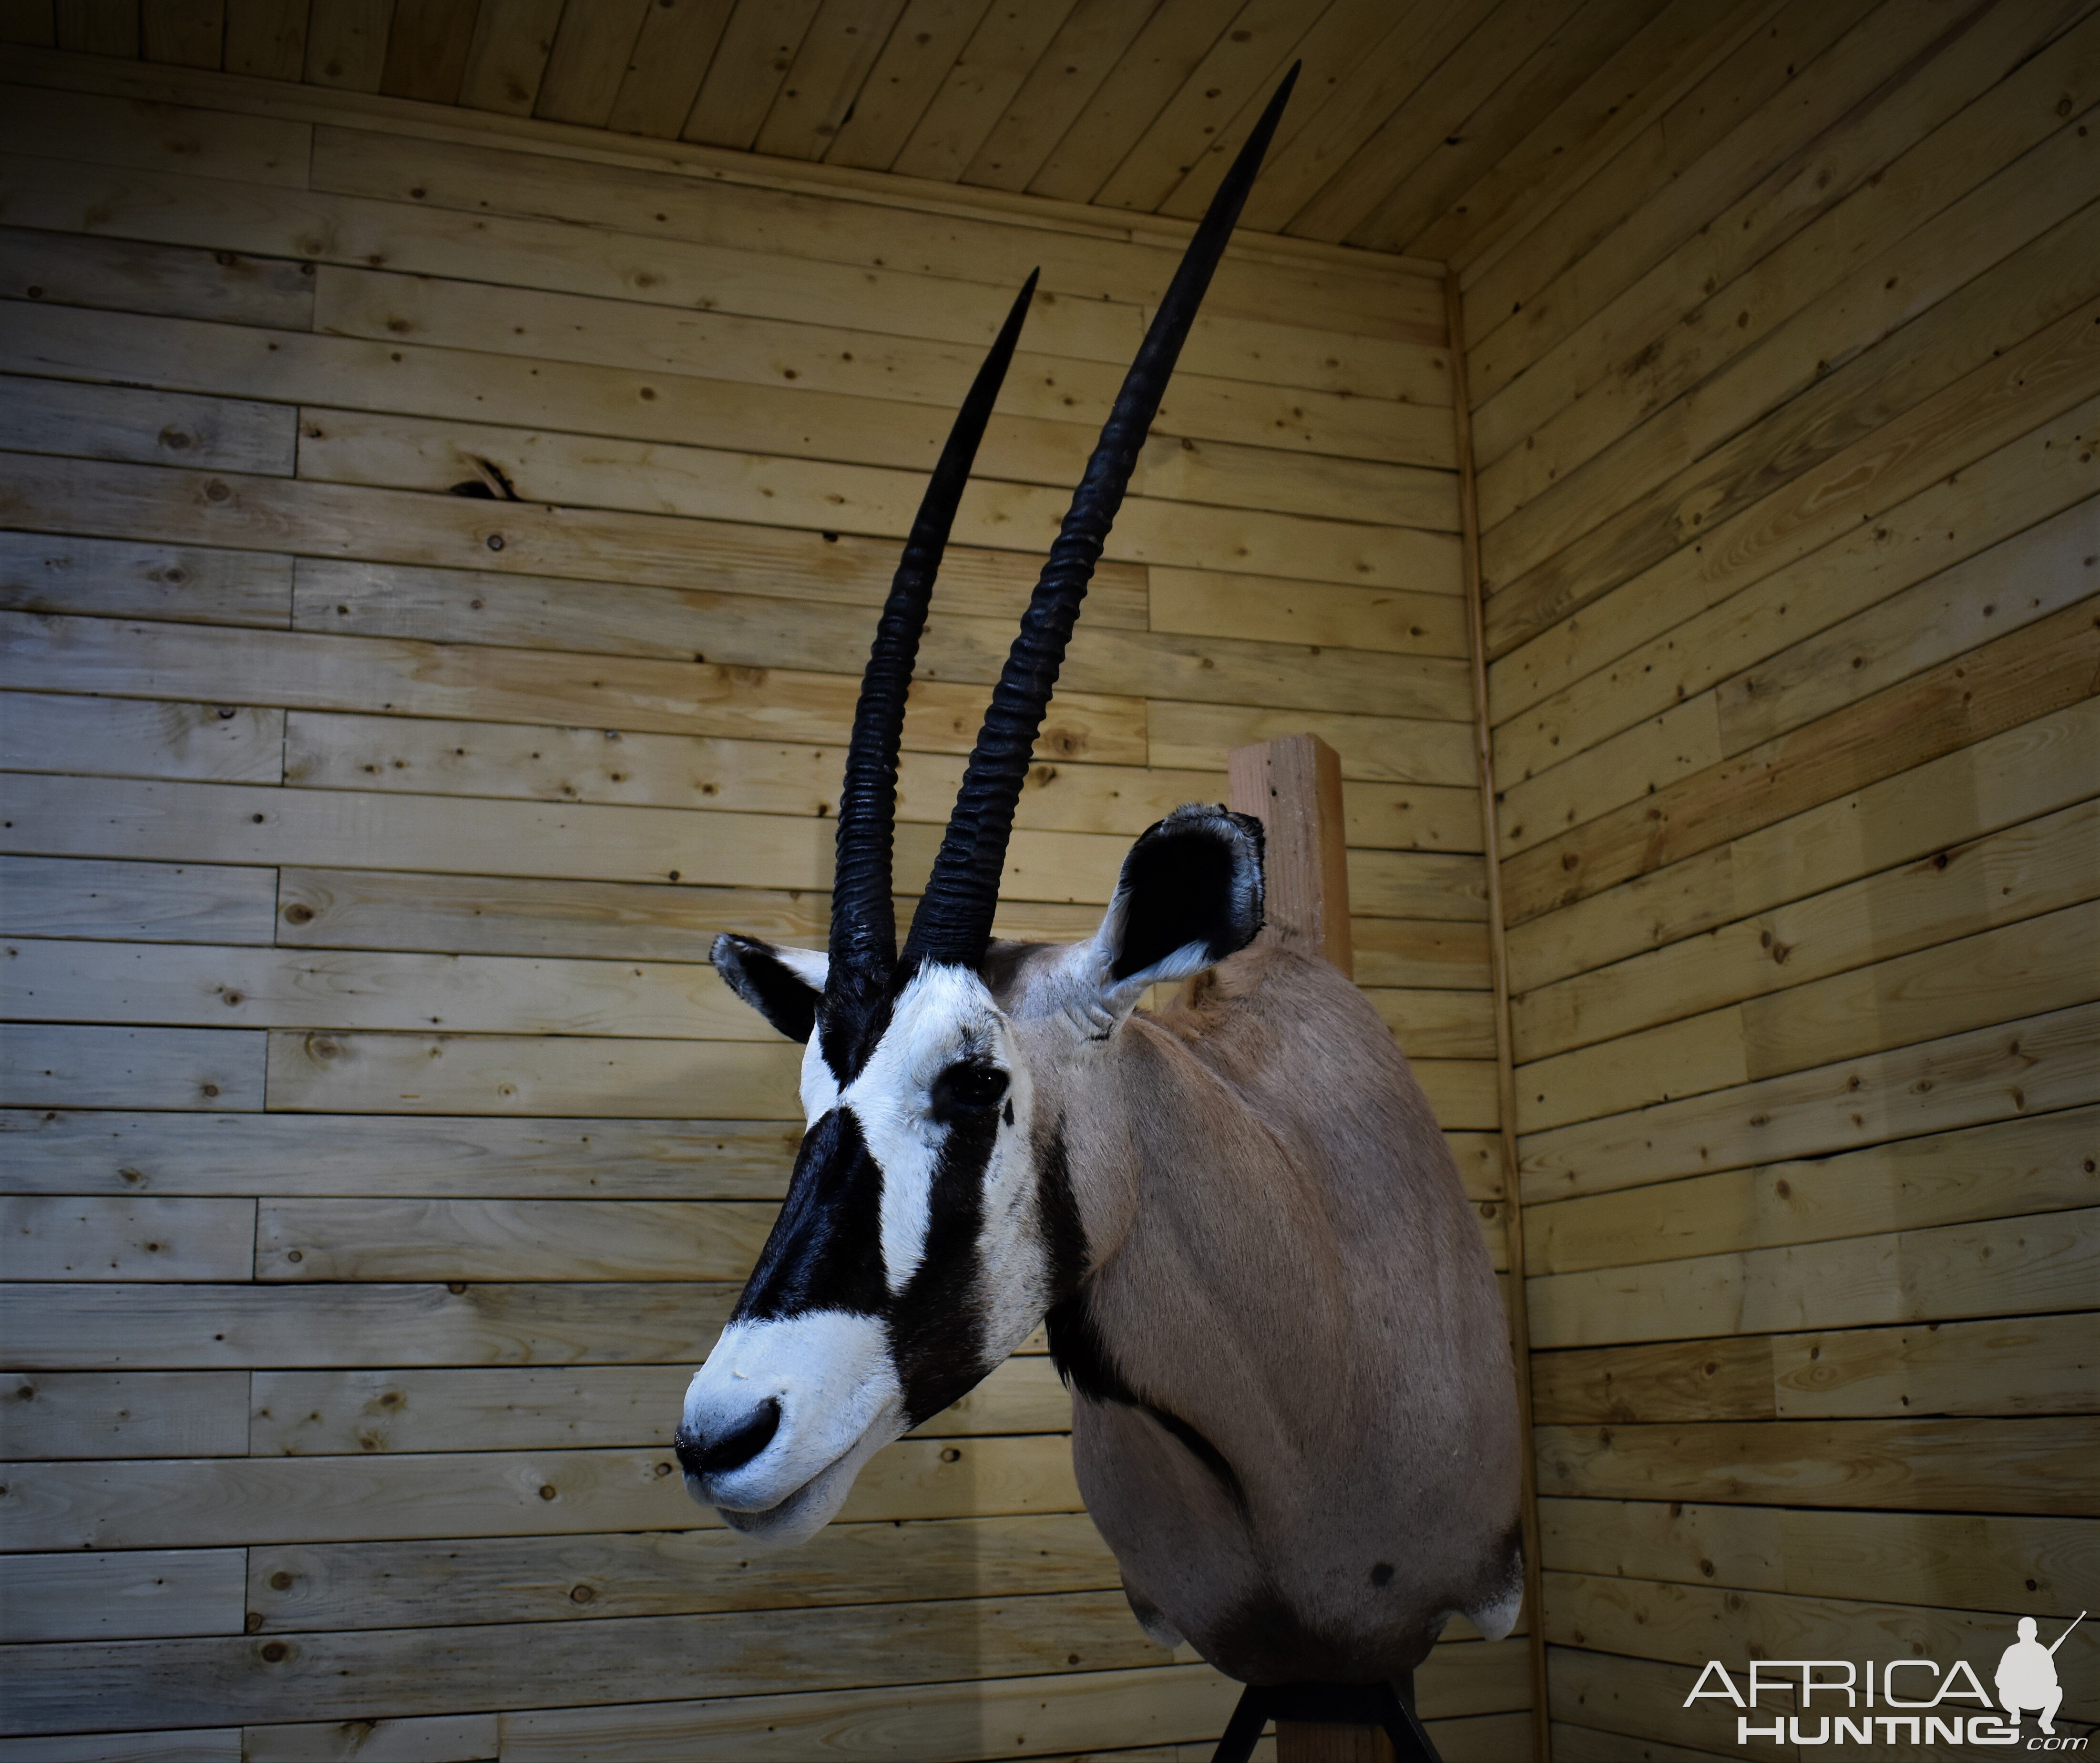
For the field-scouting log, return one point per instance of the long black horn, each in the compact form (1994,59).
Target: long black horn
(953,923)
(863,942)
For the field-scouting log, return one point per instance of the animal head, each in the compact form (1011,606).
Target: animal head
(928,1224)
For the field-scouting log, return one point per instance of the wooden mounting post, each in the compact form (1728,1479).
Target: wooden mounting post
(1293,786)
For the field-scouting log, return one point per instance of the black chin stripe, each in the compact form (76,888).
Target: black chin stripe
(825,1252)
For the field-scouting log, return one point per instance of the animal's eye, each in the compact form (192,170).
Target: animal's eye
(966,1089)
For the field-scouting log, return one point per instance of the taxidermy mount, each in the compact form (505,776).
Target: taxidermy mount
(1294,1417)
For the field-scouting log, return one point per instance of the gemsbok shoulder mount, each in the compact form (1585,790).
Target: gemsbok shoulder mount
(1294,1416)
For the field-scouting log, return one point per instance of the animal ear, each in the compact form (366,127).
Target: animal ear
(781,984)
(1190,894)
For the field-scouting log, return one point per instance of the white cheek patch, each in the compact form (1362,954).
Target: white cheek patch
(944,1013)
(820,1084)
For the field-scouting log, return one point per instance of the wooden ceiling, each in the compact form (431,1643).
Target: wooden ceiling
(1414,118)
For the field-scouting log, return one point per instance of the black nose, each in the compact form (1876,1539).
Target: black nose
(698,1456)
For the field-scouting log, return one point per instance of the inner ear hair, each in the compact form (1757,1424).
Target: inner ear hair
(781,984)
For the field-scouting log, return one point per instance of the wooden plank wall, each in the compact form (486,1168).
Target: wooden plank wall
(1785,418)
(437,566)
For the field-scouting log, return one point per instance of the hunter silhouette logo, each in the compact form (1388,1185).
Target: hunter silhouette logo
(1903,1702)
(2027,1675)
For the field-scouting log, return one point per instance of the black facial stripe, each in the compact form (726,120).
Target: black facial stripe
(1086,1363)
(937,1328)
(1064,1238)
(825,1252)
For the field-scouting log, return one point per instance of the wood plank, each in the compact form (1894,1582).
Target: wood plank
(1462,1092)
(116,578)
(424,1670)
(1880,299)
(1785,86)
(340,672)
(44,1066)
(1977,1562)
(1198,737)
(1992,518)
(590,54)
(2011,1266)
(141,738)
(1560,61)
(2031,1066)
(851,219)
(375,1157)
(2039,866)
(823,86)
(267,38)
(353,990)
(350,1414)
(346,43)
(79,1239)
(347,524)
(1155,64)
(523,1074)
(1334,45)
(174,281)
(101,1328)
(1874,431)
(1633,1711)
(1610,107)
(112,422)
(434,1738)
(1417,884)
(427,51)
(989,69)
(2047,666)
(652,477)
(756,49)
(1496,41)
(623,921)
(1240,64)
(1957,115)
(1997,1170)
(2038,1466)
(671,624)
(1401,952)
(214,144)
(215,1500)
(184,823)
(333,751)
(123,1414)
(670,60)
(1930,812)
(922,46)
(1934,992)
(306,1587)
(30,21)
(134,1594)
(2037,1365)
(1439,1025)
(507,56)
(146,902)
(454,1239)
(1210,603)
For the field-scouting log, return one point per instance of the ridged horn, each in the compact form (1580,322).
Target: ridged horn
(863,940)
(953,923)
